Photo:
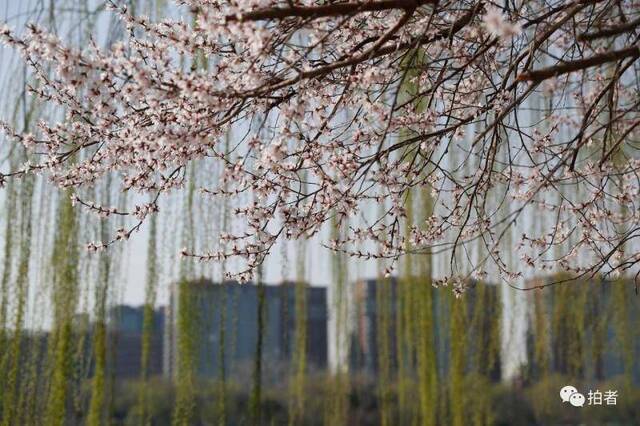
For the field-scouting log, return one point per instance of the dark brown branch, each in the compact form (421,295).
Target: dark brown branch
(581,64)
(335,9)
(621,29)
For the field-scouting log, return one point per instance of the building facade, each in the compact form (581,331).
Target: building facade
(126,330)
(231,323)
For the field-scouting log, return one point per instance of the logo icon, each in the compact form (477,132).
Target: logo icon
(566,392)
(571,394)
(577,399)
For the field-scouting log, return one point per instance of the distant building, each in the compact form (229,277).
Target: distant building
(376,305)
(369,298)
(124,340)
(236,306)
(125,330)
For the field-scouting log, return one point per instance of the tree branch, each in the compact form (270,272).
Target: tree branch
(621,29)
(568,67)
(335,9)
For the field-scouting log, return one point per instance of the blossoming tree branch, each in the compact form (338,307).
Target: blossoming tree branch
(338,106)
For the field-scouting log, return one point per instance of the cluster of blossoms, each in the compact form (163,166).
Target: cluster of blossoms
(338,107)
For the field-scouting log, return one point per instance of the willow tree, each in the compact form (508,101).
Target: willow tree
(64,261)
(188,322)
(97,407)
(298,378)
(338,388)
(11,359)
(148,325)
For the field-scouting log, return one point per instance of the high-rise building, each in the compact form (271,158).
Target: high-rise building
(372,299)
(375,333)
(125,330)
(226,321)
